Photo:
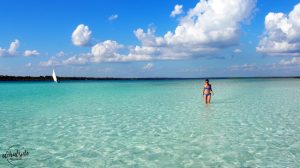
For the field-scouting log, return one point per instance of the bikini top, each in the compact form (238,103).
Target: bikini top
(207,88)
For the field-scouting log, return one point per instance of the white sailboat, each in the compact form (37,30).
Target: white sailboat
(54,76)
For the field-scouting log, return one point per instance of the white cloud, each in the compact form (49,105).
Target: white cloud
(60,54)
(282,34)
(134,57)
(76,60)
(50,62)
(208,27)
(243,67)
(148,66)
(140,54)
(28,53)
(28,64)
(12,50)
(177,10)
(106,51)
(189,70)
(237,50)
(293,61)
(2,52)
(13,47)
(113,17)
(81,36)
(212,24)
(277,68)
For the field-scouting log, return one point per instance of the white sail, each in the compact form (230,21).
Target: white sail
(54,76)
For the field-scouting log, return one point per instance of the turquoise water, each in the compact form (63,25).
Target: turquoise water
(250,123)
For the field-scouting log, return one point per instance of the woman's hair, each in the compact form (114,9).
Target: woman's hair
(206,80)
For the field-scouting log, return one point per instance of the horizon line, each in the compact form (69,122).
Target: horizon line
(63,78)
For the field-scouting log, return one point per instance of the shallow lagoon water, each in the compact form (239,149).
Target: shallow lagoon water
(152,123)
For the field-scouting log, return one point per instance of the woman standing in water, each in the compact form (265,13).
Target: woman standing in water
(207,90)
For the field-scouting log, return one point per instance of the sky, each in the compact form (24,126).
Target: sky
(171,38)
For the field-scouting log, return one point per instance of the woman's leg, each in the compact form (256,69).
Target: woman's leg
(208,98)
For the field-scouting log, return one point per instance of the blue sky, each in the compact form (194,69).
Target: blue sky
(122,38)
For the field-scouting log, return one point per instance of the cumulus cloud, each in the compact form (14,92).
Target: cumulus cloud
(243,67)
(106,51)
(293,61)
(60,54)
(58,60)
(50,62)
(13,47)
(113,17)
(212,24)
(76,60)
(12,50)
(177,10)
(2,52)
(148,66)
(278,67)
(28,64)
(81,36)
(28,53)
(208,27)
(282,34)
(237,50)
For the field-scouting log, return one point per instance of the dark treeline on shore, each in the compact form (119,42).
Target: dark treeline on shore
(49,78)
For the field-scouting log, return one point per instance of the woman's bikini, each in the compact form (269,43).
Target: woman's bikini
(207,88)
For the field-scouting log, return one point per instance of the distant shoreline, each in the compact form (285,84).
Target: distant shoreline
(49,78)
